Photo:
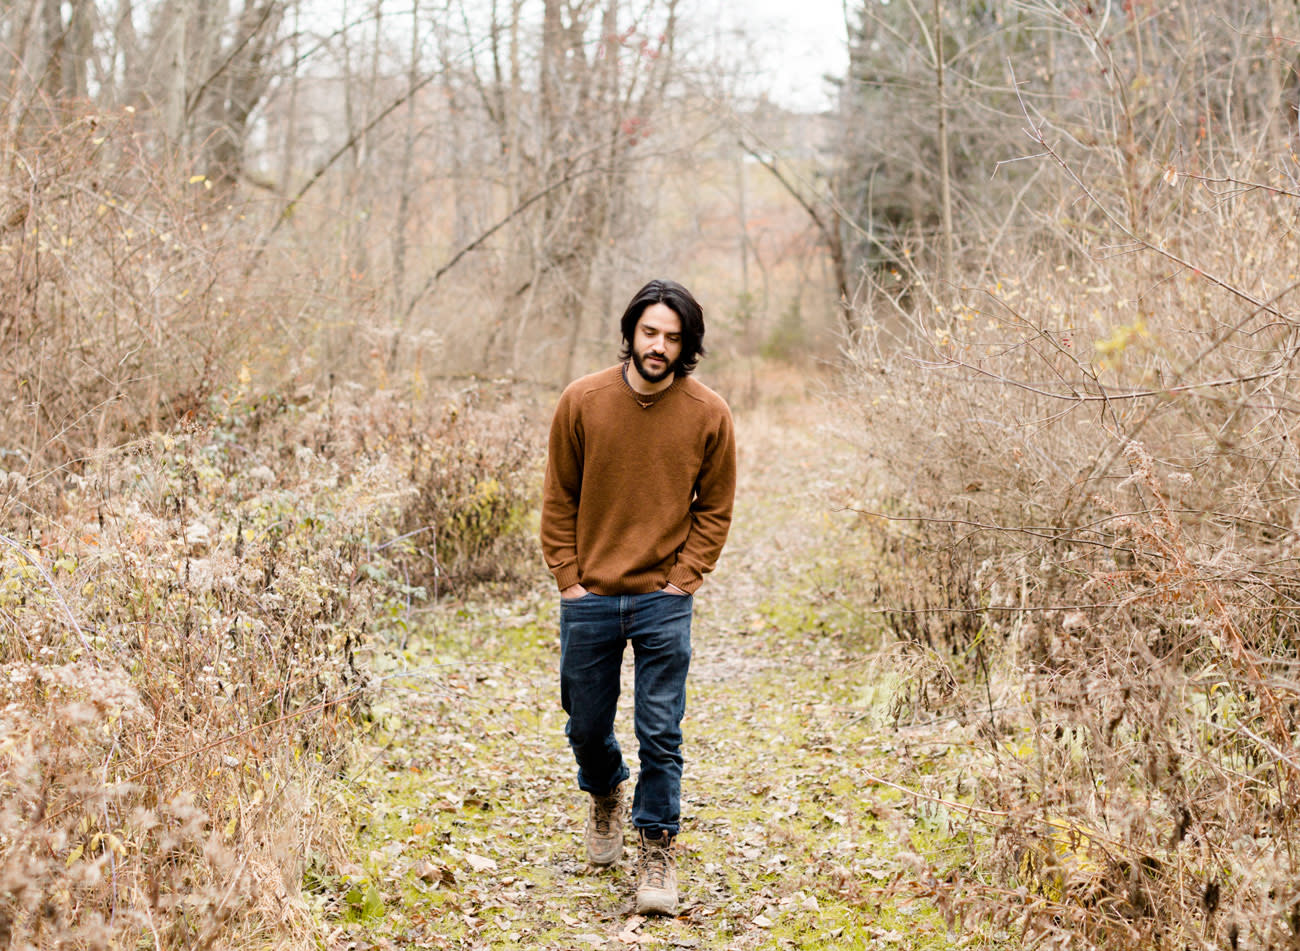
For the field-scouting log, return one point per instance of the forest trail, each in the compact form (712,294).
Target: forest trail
(472,821)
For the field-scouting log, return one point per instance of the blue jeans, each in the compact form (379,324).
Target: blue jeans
(593,632)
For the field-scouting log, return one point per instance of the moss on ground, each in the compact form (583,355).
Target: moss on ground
(468,821)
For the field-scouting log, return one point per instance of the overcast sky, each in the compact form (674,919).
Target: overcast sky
(796,43)
(787,46)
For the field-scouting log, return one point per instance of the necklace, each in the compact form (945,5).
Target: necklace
(644,401)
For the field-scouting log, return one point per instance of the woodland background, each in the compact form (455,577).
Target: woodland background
(286,291)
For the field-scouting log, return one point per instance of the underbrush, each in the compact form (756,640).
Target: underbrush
(187,627)
(183,655)
(470,518)
(1081,484)
(128,304)
(206,533)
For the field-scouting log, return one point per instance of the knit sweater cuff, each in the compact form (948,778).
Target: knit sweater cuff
(566,576)
(685,578)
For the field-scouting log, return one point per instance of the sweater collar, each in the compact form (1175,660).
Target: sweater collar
(646,401)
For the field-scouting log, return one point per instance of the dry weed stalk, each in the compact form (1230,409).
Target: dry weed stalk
(158,778)
(195,567)
(1083,487)
(165,775)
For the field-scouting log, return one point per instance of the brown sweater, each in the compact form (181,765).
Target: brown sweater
(637,496)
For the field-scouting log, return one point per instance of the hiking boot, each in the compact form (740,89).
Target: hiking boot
(656,880)
(604,835)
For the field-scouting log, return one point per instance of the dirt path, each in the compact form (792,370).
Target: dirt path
(472,822)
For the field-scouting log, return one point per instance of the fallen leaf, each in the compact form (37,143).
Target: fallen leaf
(480,863)
(434,874)
(628,935)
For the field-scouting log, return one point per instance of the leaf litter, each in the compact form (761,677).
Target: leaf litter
(466,820)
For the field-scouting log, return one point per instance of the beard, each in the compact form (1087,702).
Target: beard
(653,376)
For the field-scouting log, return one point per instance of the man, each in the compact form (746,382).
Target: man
(640,475)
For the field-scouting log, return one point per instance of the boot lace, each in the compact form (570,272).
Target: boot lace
(654,862)
(604,809)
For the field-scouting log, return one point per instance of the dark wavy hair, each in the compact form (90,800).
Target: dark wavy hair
(679,300)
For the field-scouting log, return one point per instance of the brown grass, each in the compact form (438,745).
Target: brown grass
(199,551)
(1082,486)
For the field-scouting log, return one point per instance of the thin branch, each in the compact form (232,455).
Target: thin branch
(197,95)
(342,150)
(58,596)
(515,212)
(1105,396)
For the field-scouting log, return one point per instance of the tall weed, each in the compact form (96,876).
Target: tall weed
(184,655)
(1082,486)
(476,474)
(199,554)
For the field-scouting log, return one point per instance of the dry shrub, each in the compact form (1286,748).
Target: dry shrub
(476,474)
(125,305)
(195,564)
(1083,487)
(184,655)
(184,660)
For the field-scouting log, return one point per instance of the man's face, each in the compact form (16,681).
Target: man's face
(657,343)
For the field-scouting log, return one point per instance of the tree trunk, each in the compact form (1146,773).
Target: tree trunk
(404,195)
(945,174)
(23,55)
(289,144)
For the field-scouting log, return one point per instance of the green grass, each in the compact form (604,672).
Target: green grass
(468,821)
